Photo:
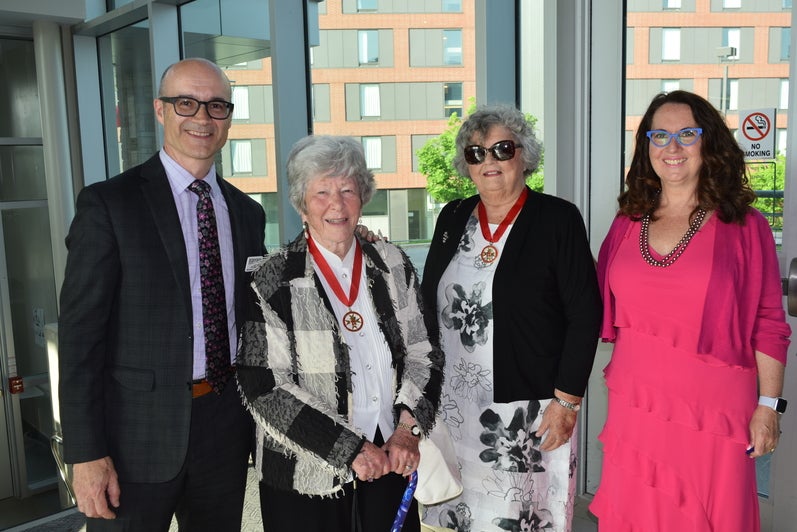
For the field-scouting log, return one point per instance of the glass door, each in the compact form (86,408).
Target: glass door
(27,285)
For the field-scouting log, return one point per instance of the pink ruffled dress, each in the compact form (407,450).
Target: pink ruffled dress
(677,425)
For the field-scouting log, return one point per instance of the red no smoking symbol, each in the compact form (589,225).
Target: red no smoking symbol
(755,126)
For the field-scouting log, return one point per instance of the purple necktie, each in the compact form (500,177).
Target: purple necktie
(214,307)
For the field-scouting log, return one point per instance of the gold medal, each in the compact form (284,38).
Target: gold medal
(353,321)
(489,254)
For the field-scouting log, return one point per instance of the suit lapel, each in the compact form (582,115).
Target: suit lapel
(236,225)
(158,195)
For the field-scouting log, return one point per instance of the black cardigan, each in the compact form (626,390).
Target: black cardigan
(546,302)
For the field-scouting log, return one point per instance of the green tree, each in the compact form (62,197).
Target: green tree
(435,162)
(767,179)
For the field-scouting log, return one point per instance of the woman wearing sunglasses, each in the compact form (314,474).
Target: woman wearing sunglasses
(510,287)
(692,301)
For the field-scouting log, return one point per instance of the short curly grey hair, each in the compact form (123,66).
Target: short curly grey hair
(477,126)
(317,156)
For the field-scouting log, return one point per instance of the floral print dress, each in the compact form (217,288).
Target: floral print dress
(509,484)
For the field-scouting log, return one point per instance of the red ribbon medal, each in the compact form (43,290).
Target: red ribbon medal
(352,321)
(490,252)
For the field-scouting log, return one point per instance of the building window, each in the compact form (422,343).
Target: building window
(367,5)
(453,99)
(378,204)
(731,4)
(241,156)
(373,152)
(452,47)
(784,94)
(455,6)
(671,44)
(369,100)
(240,98)
(672,4)
(368,41)
(669,85)
(732,37)
(785,44)
(733,94)
(786,4)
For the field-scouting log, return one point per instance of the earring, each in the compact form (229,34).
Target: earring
(306,229)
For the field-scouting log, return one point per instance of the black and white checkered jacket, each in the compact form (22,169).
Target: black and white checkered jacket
(293,365)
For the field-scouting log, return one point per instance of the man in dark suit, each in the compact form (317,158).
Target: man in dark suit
(149,437)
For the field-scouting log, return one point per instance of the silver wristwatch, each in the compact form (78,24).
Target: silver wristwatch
(575,407)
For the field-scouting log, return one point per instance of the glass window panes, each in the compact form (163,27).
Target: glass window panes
(240,98)
(733,94)
(785,44)
(368,42)
(373,151)
(672,4)
(784,94)
(781,140)
(378,204)
(241,156)
(369,100)
(732,4)
(126,85)
(367,5)
(452,47)
(452,6)
(670,44)
(453,98)
(22,173)
(732,37)
(669,85)
(19,93)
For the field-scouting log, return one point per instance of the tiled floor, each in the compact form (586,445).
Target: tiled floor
(583,521)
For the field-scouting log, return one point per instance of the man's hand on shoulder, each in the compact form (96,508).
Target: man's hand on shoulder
(95,485)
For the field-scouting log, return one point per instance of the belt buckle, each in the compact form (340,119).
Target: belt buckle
(200,388)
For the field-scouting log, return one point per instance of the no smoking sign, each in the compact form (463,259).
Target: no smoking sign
(757,137)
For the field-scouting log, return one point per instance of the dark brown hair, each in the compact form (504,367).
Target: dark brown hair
(722,180)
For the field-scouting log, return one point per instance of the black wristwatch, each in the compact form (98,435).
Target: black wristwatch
(778,404)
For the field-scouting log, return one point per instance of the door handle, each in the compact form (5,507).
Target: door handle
(790,288)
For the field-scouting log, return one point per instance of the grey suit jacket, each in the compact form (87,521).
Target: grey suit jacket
(125,329)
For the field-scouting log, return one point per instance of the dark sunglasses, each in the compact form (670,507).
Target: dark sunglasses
(503,150)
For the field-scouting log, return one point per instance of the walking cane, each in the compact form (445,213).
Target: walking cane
(406,500)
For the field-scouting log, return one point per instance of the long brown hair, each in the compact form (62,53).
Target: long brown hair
(722,180)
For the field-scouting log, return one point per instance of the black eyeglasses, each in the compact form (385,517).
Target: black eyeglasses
(185,106)
(685,137)
(503,150)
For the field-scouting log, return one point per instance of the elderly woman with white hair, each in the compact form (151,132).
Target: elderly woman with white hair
(335,362)
(511,291)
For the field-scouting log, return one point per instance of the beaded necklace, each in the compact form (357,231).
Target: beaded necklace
(670,258)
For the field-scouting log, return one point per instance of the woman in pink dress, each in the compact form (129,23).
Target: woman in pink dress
(692,301)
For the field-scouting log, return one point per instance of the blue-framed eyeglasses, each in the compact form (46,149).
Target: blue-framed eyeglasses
(686,137)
